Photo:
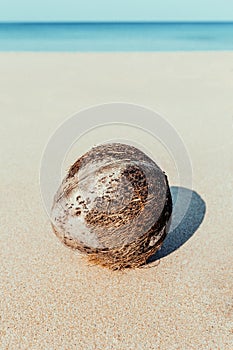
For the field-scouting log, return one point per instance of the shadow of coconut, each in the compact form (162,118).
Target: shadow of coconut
(187,227)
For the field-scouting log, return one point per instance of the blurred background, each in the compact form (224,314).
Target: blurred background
(78,25)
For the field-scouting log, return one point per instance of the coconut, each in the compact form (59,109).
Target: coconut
(114,205)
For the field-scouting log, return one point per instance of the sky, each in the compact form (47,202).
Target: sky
(115,10)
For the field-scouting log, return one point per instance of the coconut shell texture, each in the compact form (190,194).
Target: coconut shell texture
(114,205)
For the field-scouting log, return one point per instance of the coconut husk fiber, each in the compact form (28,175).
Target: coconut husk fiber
(114,205)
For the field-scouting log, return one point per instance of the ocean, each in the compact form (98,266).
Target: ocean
(116,37)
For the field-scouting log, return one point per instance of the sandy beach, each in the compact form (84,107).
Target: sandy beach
(52,299)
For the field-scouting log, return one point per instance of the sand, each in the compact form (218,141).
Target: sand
(52,299)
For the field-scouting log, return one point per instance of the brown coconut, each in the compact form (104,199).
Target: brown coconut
(114,205)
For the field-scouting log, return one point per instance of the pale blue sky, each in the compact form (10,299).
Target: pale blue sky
(115,10)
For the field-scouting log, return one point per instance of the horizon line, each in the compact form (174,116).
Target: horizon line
(116,22)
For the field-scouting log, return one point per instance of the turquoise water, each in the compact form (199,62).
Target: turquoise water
(125,37)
